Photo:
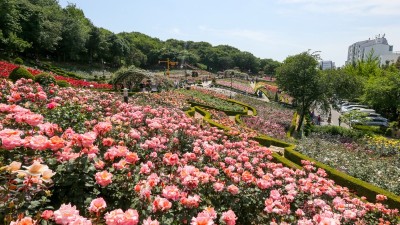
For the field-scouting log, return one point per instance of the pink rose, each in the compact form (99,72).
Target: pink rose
(103,178)
(97,205)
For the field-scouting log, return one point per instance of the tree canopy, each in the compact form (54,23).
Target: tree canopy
(299,77)
(43,29)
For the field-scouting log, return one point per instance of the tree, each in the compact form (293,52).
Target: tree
(75,33)
(10,28)
(42,25)
(269,66)
(383,94)
(299,77)
(342,85)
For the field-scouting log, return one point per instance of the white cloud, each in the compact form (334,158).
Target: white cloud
(354,7)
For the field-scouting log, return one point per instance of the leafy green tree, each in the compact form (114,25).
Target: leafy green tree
(42,24)
(383,94)
(75,33)
(269,66)
(342,85)
(299,77)
(10,28)
(246,61)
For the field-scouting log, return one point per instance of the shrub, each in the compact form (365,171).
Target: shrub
(63,83)
(18,61)
(19,73)
(342,131)
(45,79)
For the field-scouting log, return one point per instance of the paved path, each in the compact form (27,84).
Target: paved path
(263,98)
(334,119)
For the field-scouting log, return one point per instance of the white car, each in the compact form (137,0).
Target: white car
(347,108)
(364,110)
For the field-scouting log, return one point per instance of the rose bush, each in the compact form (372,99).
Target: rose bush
(6,68)
(152,165)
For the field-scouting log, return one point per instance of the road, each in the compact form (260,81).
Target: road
(334,119)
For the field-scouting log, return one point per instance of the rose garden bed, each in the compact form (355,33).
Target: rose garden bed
(73,156)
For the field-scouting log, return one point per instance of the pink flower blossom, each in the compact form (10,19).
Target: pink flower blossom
(149,221)
(47,214)
(233,189)
(97,205)
(161,204)
(228,218)
(66,214)
(23,221)
(171,192)
(103,178)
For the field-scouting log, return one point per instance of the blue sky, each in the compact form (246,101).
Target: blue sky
(266,28)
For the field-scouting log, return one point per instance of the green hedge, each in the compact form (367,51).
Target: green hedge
(207,117)
(190,112)
(373,129)
(248,107)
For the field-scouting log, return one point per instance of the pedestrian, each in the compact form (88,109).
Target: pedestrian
(340,120)
(329,118)
(319,120)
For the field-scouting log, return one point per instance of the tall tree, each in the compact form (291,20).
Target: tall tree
(299,77)
(10,28)
(43,24)
(75,33)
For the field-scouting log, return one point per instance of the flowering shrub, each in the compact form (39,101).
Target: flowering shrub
(383,146)
(237,84)
(353,158)
(153,165)
(6,68)
(266,127)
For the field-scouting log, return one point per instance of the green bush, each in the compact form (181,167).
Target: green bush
(20,72)
(63,83)
(342,131)
(45,79)
(18,61)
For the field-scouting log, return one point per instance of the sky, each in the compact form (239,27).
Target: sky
(266,28)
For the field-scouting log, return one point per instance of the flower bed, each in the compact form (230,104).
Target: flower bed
(273,119)
(6,68)
(354,158)
(210,98)
(236,84)
(102,161)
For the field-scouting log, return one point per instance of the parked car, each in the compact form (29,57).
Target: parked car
(364,110)
(347,108)
(373,121)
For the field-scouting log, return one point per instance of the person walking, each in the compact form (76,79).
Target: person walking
(319,120)
(340,120)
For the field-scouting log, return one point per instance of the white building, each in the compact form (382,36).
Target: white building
(379,47)
(327,65)
(389,59)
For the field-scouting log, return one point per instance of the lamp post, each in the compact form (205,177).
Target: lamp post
(125,90)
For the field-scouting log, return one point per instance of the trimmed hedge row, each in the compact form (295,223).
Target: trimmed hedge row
(244,105)
(207,117)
